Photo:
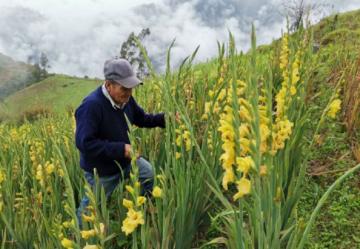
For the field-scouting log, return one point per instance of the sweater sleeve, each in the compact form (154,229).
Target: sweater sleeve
(143,119)
(88,117)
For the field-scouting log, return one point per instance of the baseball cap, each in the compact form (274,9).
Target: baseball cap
(121,71)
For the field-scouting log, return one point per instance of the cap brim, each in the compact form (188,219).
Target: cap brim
(129,82)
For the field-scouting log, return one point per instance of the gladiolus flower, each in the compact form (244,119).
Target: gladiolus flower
(128,204)
(228,177)
(263,170)
(334,107)
(86,234)
(133,219)
(140,200)
(244,164)
(243,187)
(157,192)
(67,243)
(130,189)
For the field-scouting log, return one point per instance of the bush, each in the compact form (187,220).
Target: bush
(340,36)
(34,114)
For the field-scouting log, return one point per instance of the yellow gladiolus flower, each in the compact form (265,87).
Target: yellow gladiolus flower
(222,94)
(243,187)
(211,93)
(140,200)
(263,170)
(187,140)
(49,168)
(244,130)
(137,184)
(67,243)
(61,172)
(178,140)
(128,227)
(334,107)
(228,157)
(292,90)
(228,178)
(244,145)
(220,80)
(283,130)
(101,227)
(157,192)
(132,220)
(87,218)
(68,224)
(244,164)
(128,203)
(86,234)
(130,189)
(135,216)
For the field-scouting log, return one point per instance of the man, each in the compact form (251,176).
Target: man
(102,131)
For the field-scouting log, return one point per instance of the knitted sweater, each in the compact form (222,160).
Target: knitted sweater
(101,132)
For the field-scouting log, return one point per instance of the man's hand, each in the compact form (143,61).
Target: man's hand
(127,153)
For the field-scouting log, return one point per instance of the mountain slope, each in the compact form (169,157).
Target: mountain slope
(14,75)
(54,94)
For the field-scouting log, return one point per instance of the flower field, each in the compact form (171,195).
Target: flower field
(236,161)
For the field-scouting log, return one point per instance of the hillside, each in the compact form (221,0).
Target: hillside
(54,94)
(14,75)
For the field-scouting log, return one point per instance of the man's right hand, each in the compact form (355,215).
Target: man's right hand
(127,151)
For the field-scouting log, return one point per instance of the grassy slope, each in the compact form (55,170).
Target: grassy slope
(13,73)
(55,93)
(338,225)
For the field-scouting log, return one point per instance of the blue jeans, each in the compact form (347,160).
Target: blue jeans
(109,183)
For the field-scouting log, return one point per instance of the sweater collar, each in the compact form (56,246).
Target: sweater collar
(107,95)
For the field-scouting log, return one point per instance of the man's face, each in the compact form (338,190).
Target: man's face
(118,93)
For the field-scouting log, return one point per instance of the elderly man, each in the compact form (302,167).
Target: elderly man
(102,131)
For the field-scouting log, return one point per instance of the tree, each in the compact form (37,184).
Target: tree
(298,11)
(36,72)
(40,62)
(44,65)
(132,53)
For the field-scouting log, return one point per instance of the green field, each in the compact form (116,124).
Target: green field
(55,94)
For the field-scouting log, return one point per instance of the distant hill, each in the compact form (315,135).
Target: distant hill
(14,75)
(54,94)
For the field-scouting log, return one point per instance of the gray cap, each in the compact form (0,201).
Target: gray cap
(120,71)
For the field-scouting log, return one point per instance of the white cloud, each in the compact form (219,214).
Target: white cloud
(79,36)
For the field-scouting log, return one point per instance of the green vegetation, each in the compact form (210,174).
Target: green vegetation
(55,94)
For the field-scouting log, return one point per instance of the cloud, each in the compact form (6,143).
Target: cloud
(78,36)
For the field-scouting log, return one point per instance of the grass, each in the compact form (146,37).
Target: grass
(56,93)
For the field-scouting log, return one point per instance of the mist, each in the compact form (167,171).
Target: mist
(78,37)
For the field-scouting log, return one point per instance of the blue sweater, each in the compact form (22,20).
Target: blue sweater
(101,132)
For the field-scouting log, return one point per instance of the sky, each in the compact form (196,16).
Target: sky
(78,36)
